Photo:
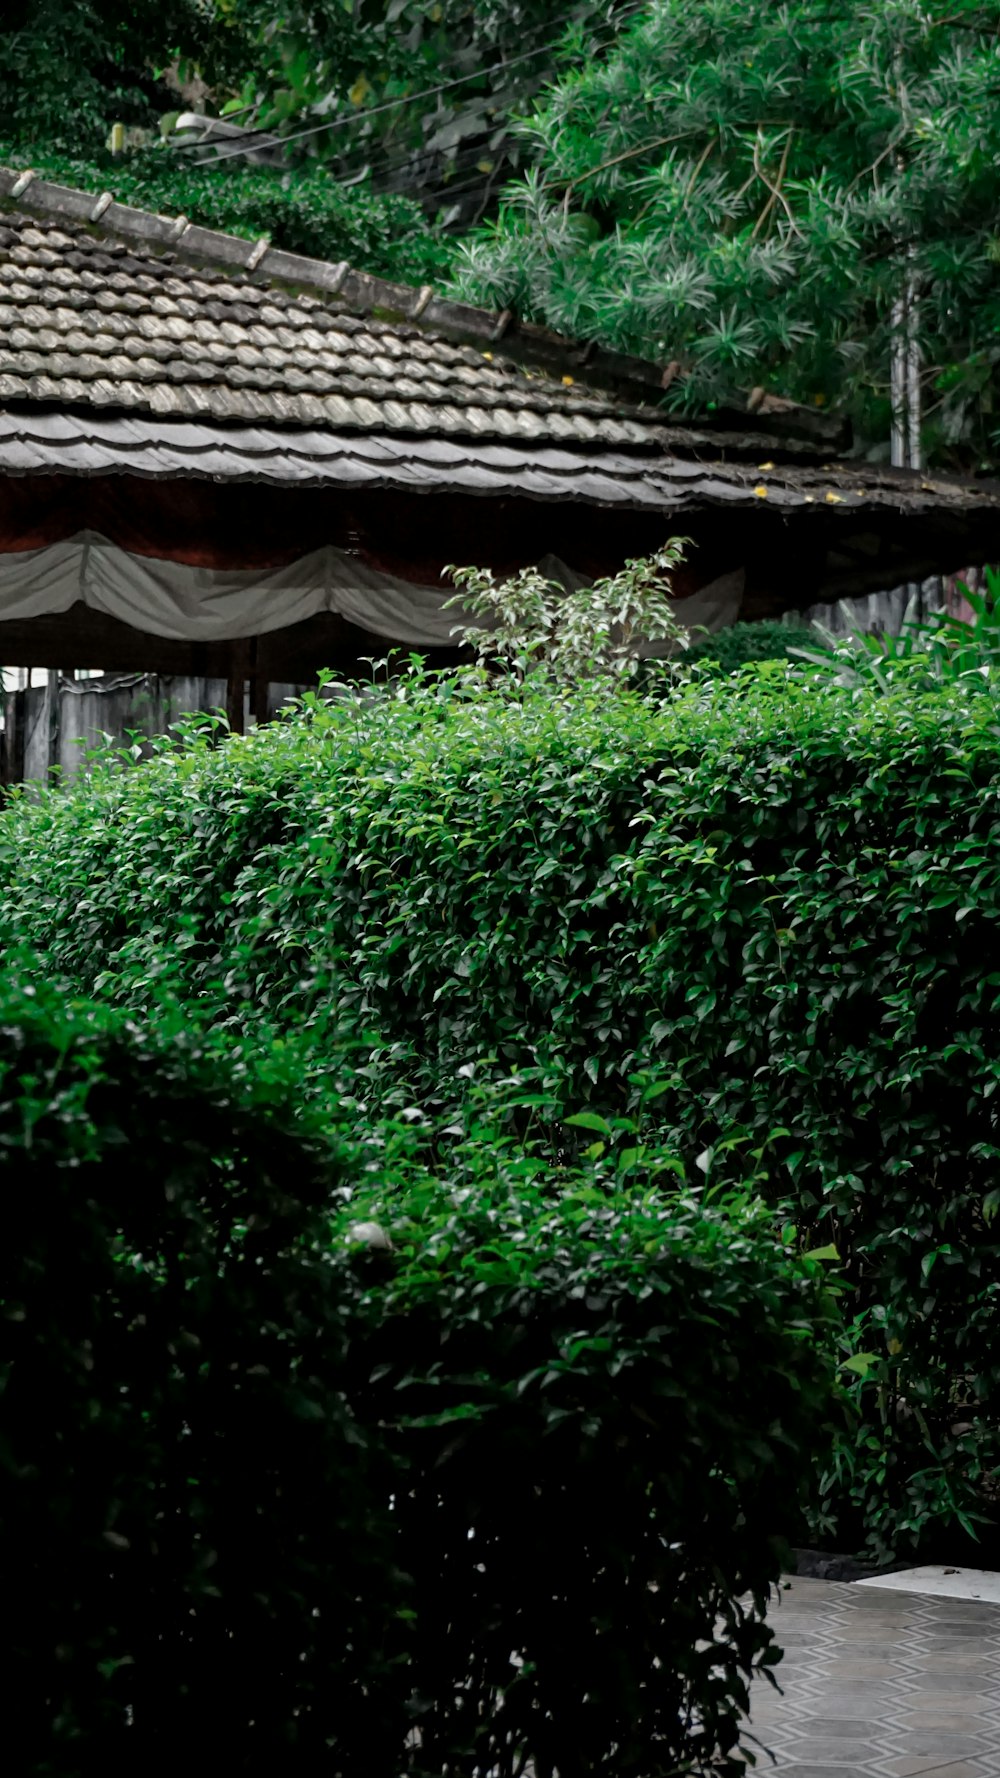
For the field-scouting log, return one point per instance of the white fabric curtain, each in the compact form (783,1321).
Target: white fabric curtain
(216,605)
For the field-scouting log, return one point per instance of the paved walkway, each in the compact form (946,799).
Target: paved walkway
(881,1682)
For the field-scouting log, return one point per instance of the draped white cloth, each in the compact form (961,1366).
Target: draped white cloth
(185,603)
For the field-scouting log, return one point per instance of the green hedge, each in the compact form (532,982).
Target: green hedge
(727,650)
(779,899)
(608,1408)
(170,1325)
(277,1497)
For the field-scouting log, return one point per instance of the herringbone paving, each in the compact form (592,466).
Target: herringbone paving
(880,1684)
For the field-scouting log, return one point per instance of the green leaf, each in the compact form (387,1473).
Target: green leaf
(590,1120)
(860,1363)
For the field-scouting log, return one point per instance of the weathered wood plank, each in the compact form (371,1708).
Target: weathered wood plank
(236,682)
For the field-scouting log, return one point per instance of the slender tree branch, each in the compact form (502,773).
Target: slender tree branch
(775,190)
(876,163)
(627,155)
(744,188)
(702,158)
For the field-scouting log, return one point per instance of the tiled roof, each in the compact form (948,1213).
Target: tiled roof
(141,344)
(97,322)
(105,306)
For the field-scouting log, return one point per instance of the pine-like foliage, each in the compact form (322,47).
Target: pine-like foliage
(746,188)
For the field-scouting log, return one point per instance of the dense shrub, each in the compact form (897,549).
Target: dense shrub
(727,650)
(607,1408)
(183,1487)
(780,899)
(385,234)
(285,1499)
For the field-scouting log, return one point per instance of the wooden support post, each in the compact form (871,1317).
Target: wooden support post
(15,756)
(239,663)
(261,685)
(51,719)
(13,737)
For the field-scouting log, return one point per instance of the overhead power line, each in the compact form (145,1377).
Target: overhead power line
(382,168)
(430,92)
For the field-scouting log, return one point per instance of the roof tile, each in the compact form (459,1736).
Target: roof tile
(134,326)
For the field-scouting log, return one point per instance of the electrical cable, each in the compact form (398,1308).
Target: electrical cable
(440,197)
(611,25)
(356,163)
(466,157)
(427,93)
(382,172)
(392,104)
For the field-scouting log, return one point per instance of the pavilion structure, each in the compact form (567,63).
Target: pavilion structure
(221,460)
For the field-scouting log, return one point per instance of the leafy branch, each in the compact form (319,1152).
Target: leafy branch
(535,624)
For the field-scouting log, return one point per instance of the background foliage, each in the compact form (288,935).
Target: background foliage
(725,651)
(70,68)
(276,1495)
(421,96)
(386,235)
(171,1336)
(412,97)
(747,189)
(776,897)
(938,648)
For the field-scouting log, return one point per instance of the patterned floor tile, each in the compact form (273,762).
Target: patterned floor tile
(881,1684)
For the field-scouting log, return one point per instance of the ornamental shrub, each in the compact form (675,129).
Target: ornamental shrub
(925,649)
(778,899)
(309,1506)
(725,651)
(588,633)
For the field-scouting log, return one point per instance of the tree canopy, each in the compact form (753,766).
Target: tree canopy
(749,189)
(418,95)
(69,68)
(415,96)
